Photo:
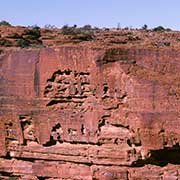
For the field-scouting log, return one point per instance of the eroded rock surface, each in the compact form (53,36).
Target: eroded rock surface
(86,113)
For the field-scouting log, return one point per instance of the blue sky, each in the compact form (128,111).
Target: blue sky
(100,13)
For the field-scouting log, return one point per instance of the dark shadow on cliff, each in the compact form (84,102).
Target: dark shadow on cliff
(161,157)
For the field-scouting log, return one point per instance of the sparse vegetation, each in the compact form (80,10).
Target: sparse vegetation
(83,34)
(14,36)
(30,37)
(87,27)
(49,26)
(4,23)
(33,33)
(67,30)
(161,29)
(145,27)
(161,44)
(34,37)
(4,42)
(23,43)
(37,46)
(34,26)
(133,38)
(13,178)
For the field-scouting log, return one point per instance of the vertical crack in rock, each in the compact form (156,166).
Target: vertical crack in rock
(37,77)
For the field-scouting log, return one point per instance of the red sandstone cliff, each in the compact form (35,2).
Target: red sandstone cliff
(90,113)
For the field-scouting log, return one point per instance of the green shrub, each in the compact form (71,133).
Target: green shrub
(5,23)
(159,28)
(13,178)
(30,37)
(34,33)
(168,29)
(23,43)
(86,37)
(83,34)
(14,36)
(5,42)
(66,30)
(38,46)
(87,27)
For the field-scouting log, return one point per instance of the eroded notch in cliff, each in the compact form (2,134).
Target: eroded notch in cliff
(55,135)
(28,129)
(161,157)
(57,73)
(68,88)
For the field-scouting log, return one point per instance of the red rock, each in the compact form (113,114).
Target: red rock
(88,113)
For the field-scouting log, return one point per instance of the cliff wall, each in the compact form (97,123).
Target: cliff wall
(77,112)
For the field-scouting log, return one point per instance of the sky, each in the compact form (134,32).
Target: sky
(99,13)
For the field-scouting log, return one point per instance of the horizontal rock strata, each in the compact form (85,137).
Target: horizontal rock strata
(86,113)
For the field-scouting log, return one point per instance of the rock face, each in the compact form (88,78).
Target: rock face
(84,113)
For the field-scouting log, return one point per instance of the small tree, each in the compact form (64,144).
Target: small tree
(145,27)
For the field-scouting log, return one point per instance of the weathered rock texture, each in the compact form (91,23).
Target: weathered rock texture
(86,113)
